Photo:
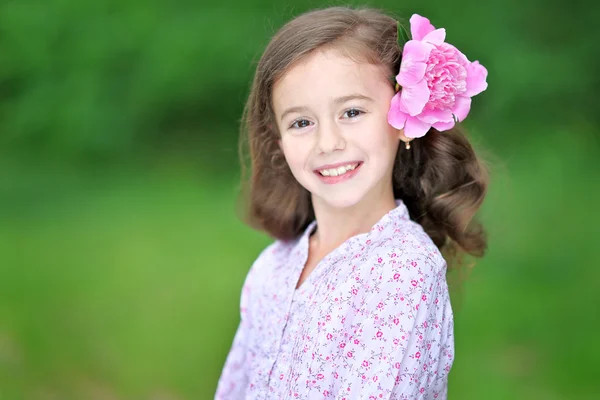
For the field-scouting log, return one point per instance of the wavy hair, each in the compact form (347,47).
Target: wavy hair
(441,180)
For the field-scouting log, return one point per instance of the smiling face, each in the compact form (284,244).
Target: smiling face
(332,115)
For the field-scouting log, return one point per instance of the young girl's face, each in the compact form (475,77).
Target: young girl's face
(332,115)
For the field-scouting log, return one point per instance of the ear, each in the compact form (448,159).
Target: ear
(402,137)
(279,143)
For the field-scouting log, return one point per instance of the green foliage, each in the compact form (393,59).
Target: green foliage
(116,77)
(403,35)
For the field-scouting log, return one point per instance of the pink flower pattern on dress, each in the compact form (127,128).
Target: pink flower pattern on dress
(373,320)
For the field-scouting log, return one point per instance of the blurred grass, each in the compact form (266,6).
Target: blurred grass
(124,284)
(119,283)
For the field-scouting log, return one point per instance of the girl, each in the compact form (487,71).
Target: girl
(351,300)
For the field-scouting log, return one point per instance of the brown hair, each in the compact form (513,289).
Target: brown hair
(440,179)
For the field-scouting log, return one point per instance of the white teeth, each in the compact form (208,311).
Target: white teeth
(338,171)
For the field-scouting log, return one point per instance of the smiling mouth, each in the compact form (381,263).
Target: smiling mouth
(344,169)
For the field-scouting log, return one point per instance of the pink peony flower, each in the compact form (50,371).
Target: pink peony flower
(437,82)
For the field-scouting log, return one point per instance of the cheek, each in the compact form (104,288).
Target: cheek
(295,152)
(384,142)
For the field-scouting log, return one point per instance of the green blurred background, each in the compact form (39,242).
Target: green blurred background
(121,256)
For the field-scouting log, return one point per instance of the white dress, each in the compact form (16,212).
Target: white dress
(372,321)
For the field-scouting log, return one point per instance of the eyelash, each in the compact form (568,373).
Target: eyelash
(347,111)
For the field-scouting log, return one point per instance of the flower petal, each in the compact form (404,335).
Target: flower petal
(414,98)
(433,116)
(413,65)
(443,126)
(476,79)
(420,26)
(461,107)
(414,128)
(415,50)
(395,116)
(436,37)
(411,73)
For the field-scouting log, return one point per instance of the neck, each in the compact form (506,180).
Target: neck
(336,225)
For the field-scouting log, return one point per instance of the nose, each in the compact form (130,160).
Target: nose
(329,138)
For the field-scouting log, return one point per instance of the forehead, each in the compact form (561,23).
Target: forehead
(326,75)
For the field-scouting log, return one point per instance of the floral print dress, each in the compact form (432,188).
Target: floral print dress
(373,320)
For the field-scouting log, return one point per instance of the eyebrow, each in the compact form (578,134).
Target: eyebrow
(338,101)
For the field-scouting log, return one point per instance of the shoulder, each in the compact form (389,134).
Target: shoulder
(406,244)
(263,270)
(271,258)
(402,259)
(276,252)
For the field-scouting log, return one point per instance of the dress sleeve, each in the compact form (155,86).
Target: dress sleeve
(233,381)
(399,334)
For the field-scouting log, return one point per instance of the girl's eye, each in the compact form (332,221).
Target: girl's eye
(301,123)
(353,113)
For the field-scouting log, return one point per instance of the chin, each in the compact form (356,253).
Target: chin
(339,196)
(339,200)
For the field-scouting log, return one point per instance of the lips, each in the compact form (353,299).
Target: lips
(335,173)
